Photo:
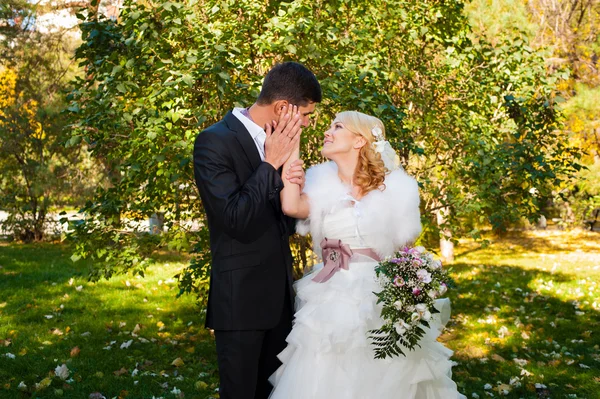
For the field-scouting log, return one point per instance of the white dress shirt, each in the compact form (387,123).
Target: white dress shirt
(256,132)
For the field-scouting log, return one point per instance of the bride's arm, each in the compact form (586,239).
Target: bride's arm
(294,203)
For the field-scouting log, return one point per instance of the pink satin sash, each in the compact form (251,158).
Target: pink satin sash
(336,256)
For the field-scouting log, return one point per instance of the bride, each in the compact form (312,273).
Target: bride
(363,199)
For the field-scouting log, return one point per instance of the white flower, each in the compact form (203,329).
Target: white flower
(421,307)
(424,276)
(398,305)
(427,315)
(377,132)
(415,317)
(432,294)
(62,372)
(402,327)
(436,264)
(443,289)
(379,146)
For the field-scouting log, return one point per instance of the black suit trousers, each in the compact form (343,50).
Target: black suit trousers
(247,358)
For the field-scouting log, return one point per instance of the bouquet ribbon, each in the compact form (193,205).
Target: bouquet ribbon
(336,256)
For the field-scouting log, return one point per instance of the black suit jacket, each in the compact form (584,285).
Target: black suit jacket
(249,234)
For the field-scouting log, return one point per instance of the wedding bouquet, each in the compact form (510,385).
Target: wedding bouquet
(410,281)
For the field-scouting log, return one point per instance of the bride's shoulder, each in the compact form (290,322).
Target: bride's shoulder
(325,168)
(322,174)
(399,180)
(401,189)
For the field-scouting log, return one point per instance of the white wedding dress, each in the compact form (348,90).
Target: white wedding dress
(329,355)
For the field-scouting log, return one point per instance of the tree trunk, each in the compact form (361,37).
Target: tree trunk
(157,223)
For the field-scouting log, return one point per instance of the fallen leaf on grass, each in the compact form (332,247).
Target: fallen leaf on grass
(96,395)
(62,371)
(120,372)
(75,351)
(498,358)
(43,384)
(177,362)
(136,330)
(520,362)
(200,385)
(504,389)
(127,344)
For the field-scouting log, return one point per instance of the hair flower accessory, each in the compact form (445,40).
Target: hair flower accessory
(390,158)
(377,133)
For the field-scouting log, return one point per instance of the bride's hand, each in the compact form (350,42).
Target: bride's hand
(295,173)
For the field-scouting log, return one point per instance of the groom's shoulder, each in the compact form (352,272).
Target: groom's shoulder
(219,132)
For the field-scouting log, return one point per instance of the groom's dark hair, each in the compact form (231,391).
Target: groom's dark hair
(290,81)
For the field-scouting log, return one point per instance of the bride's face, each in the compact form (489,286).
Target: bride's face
(339,140)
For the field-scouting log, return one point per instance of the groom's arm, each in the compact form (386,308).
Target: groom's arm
(239,208)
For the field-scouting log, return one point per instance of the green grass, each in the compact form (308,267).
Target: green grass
(43,316)
(532,297)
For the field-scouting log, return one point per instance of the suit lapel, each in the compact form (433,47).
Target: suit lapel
(244,138)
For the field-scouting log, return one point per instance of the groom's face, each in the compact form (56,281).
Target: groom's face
(306,111)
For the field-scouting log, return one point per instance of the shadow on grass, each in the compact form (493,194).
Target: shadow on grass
(505,312)
(535,242)
(43,317)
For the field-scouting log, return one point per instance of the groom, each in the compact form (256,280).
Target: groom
(237,167)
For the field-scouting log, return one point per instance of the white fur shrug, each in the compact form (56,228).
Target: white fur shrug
(395,210)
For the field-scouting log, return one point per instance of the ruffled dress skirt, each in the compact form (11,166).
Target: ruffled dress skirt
(329,355)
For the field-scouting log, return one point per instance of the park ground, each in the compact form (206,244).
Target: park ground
(526,318)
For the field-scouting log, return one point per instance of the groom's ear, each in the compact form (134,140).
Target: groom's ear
(279,105)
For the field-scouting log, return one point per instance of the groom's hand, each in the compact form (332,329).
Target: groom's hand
(295,173)
(282,136)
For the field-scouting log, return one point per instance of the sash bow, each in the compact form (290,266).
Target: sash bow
(336,256)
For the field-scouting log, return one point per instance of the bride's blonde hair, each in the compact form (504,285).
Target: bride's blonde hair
(370,171)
